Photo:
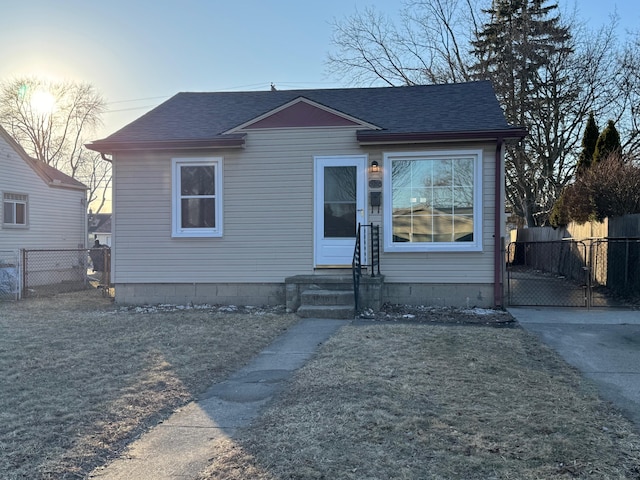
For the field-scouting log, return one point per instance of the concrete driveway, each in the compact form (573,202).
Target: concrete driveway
(604,344)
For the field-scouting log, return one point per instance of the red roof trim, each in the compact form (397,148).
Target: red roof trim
(381,137)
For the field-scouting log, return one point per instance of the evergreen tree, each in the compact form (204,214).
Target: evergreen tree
(519,39)
(522,50)
(608,143)
(589,140)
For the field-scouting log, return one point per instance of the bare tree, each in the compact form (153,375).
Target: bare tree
(628,99)
(430,45)
(95,172)
(52,121)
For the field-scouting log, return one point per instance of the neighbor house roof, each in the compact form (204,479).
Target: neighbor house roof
(99,223)
(412,113)
(50,175)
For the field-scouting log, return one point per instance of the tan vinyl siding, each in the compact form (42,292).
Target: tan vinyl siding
(56,216)
(268,216)
(268,212)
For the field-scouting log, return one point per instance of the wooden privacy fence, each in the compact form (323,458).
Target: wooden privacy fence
(626,226)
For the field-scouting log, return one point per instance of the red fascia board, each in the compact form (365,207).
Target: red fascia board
(382,137)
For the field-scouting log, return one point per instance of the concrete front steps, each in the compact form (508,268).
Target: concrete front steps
(330,294)
(334,304)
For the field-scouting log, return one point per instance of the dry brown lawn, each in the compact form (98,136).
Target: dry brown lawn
(394,401)
(80,378)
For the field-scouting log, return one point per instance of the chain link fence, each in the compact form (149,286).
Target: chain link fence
(9,275)
(615,270)
(48,272)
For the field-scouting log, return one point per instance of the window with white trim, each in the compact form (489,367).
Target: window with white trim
(197,197)
(14,210)
(434,201)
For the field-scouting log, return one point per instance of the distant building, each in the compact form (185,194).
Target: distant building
(99,228)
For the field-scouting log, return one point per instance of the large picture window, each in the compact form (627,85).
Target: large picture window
(434,201)
(197,197)
(14,210)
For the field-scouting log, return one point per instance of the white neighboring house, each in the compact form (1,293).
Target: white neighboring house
(41,208)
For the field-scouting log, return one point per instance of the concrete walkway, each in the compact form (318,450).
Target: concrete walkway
(181,446)
(604,344)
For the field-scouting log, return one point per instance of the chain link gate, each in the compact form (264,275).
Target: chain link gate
(551,273)
(601,272)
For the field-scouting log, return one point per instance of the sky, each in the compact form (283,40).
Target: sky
(138,53)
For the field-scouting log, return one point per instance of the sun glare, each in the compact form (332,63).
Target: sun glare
(42,102)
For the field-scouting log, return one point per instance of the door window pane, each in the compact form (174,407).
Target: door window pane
(340,202)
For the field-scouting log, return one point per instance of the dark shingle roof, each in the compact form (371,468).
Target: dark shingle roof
(99,223)
(462,107)
(53,176)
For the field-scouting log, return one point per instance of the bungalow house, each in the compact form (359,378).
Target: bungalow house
(249,197)
(42,208)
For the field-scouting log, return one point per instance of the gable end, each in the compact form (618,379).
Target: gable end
(302,113)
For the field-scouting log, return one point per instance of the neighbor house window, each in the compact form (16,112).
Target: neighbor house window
(434,201)
(197,197)
(14,210)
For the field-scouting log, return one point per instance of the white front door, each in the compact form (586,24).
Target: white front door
(339,206)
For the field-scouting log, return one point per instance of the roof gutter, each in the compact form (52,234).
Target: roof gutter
(107,147)
(378,138)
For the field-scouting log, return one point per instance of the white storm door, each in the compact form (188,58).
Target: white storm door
(339,206)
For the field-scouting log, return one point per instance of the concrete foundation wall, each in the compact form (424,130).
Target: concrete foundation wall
(372,294)
(200,293)
(450,295)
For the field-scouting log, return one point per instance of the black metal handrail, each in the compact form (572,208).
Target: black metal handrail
(374,256)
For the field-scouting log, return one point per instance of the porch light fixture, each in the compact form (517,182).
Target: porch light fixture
(375,167)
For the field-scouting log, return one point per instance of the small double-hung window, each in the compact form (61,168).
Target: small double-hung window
(197,197)
(14,210)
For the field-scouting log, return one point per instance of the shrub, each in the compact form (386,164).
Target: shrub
(609,188)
